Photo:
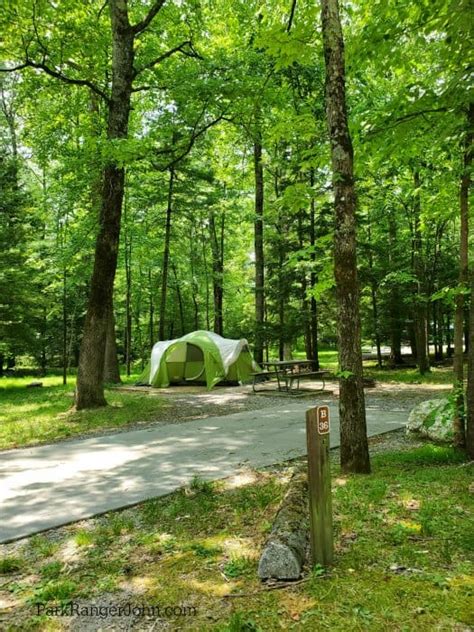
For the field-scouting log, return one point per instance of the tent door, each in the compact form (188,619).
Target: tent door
(194,367)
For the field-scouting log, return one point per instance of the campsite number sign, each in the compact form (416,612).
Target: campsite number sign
(319,484)
(323,419)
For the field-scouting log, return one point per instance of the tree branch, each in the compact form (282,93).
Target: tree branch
(29,63)
(143,24)
(195,134)
(292,15)
(181,48)
(404,119)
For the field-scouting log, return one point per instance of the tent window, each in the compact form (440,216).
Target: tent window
(177,354)
(193,353)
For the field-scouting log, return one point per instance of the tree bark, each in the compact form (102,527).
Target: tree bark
(128,303)
(470,379)
(285,549)
(217,249)
(151,311)
(111,365)
(179,297)
(420,316)
(258,244)
(166,257)
(90,382)
(373,293)
(313,281)
(354,445)
(458,422)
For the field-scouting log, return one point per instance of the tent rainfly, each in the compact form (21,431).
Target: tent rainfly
(201,356)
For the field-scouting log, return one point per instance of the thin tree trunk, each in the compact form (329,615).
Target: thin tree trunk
(90,382)
(354,445)
(194,284)
(258,245)
(470,379)
(128,303)
(166,257)
(449,348)
(395,312)
(458,423)
(373,294)
(111,365)
(217,246)
(179,297)
(420,317)
(65,358)
(206,275)
(313,281)
(151,310)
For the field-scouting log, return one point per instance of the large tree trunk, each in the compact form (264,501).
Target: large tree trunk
(458,423)
(90,382)
(354,445)
(470,380)
(166,258)
(258,243)
(111,365)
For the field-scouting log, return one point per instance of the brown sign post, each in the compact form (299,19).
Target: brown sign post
(319,484)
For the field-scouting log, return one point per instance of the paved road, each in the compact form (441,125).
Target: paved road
(52,485)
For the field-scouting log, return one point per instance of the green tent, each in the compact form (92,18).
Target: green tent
(201,356)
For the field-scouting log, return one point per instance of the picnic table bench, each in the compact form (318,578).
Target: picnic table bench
(287,373)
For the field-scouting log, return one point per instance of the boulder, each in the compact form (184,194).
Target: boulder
(432,419)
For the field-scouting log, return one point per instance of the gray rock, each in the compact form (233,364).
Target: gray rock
(432,419)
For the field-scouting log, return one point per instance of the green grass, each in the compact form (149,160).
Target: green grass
(403,541)
(441,375)
(38,415)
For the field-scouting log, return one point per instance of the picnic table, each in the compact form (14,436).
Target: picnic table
(287,373)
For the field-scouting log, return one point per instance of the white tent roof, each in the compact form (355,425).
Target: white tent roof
(229,349)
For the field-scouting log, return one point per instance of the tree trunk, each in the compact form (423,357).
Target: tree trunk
(449,348)
(458,423)
(206,273)
(373,294)
(90,382)
(217,249)
(258,244)
(179,297)
(354,445)
(313,281)
(111,365)
(284,552)
(151,311)
(420,316)
(128,303)
(470,379)
(166,258)
(64,323)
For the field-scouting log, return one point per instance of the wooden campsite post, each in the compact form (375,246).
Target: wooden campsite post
(319,485)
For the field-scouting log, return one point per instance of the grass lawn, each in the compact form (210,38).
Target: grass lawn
(38,415)
(403,537)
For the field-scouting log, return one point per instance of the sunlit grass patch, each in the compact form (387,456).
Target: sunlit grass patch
(403,548)
(45,414)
